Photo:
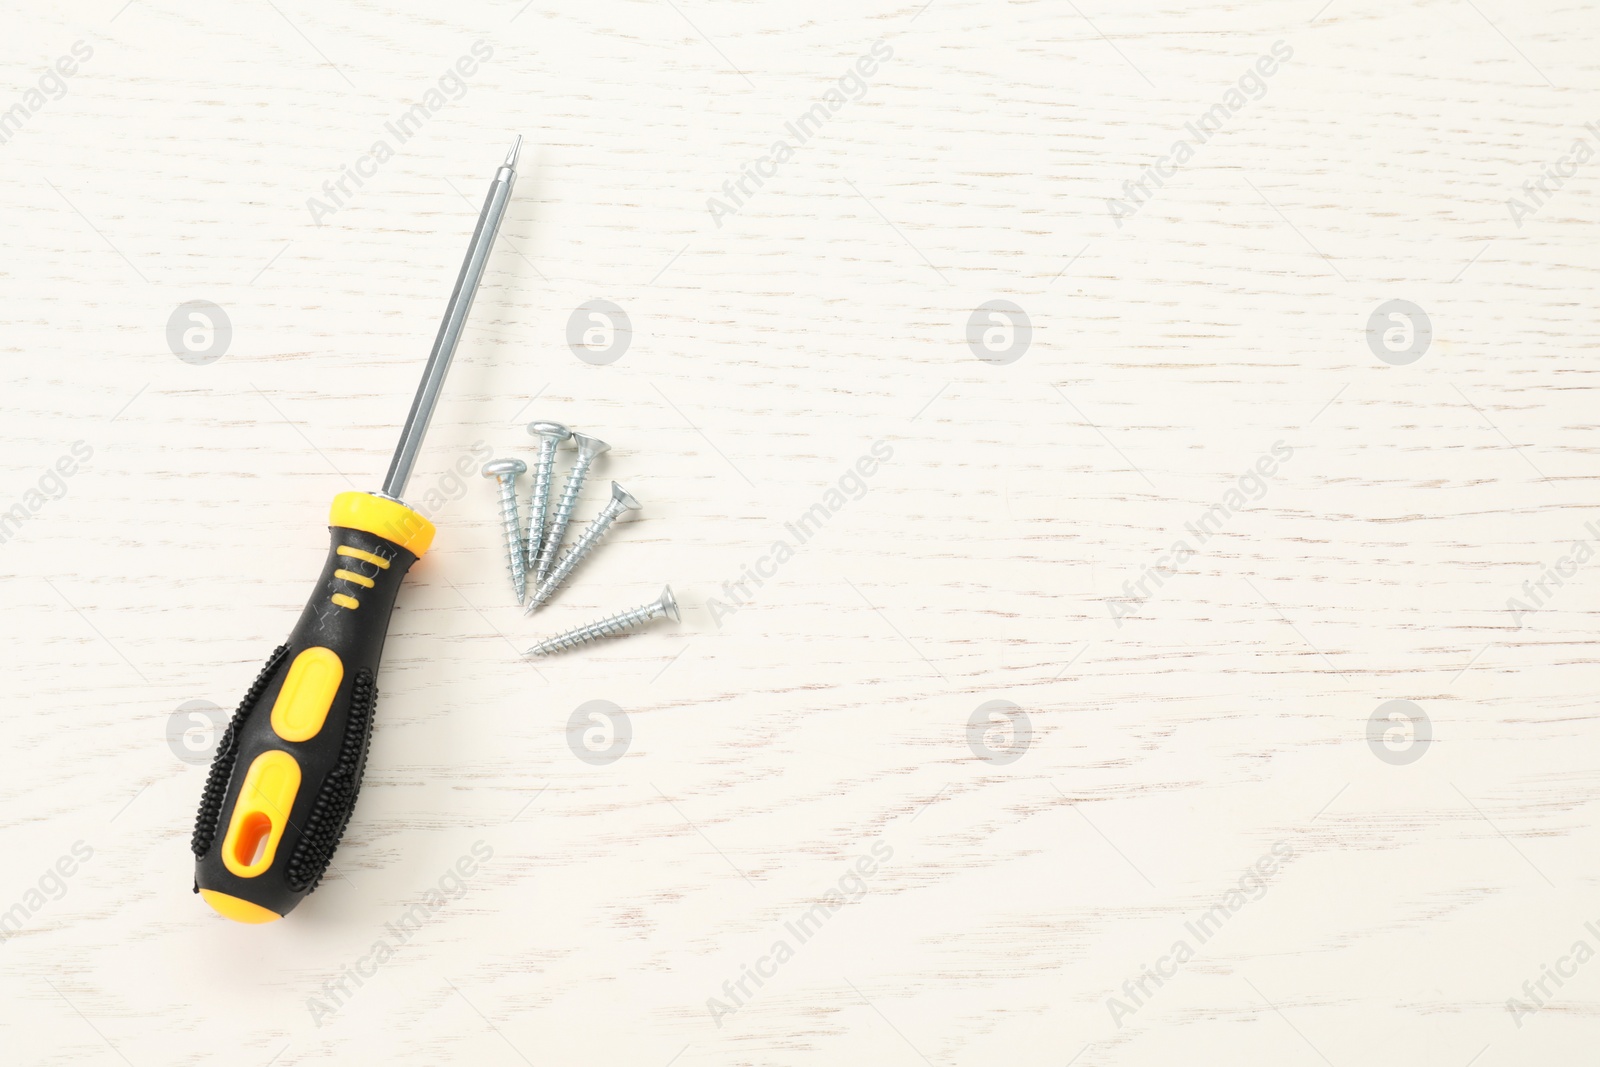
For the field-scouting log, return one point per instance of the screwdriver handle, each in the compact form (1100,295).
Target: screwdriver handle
(284,780)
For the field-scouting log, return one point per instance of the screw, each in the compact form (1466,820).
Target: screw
(504,472)
(621,500)
(588,449)
(550,435)
(616,624)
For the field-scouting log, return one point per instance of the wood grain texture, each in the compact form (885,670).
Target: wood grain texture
(988,559)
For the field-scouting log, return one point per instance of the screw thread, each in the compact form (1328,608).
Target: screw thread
(575,555)
(616,624)
(513,531)
(539,503)
(563,516)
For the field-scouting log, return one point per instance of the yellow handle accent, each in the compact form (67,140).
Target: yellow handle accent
(345,601)
(364,556)
(307,694)
(261,813)
(383,517)
(240,911)
(352,576)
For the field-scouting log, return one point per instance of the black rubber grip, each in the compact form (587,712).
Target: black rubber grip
(336,800)
(345,622)
(205,822)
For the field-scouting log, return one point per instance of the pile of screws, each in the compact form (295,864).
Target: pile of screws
(536,550)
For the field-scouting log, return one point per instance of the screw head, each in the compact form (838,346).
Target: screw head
(668,603)
(549,429)
(497,468)
(588,447)
(623,497)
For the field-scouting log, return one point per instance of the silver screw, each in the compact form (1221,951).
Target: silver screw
(550,435)
(621,500)
(588,449)
(504,472)
(616,624)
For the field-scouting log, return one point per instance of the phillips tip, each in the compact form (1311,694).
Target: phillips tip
(511,156)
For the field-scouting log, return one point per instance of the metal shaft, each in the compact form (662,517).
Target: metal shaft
(455,318)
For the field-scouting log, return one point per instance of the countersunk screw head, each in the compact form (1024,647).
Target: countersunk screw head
(499,468)
(588,447)
(668,603)
(549,429)
(623,497)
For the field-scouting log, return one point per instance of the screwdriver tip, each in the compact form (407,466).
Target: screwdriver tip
(516,147)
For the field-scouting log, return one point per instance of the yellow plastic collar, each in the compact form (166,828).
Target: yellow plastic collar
(383,518)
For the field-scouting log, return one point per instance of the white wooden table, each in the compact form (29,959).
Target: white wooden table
(1186,518)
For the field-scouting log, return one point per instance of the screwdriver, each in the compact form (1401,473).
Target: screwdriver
(284,780)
